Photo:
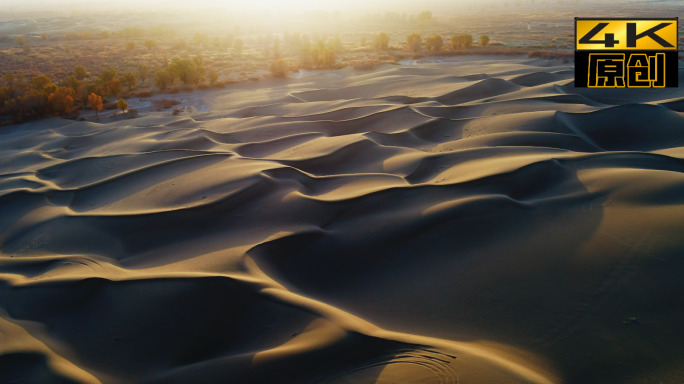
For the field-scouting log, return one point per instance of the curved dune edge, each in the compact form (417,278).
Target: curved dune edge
(465,222)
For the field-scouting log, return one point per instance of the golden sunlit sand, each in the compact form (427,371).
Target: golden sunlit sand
(478,220)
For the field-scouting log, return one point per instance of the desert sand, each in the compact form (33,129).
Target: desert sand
(477,220)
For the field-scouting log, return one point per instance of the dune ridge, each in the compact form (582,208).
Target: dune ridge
(476,221)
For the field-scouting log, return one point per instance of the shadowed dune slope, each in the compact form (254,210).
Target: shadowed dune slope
(463,222)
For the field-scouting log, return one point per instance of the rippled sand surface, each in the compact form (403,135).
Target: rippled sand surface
(477,221)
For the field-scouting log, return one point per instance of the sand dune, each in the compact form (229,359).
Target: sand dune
(477,221)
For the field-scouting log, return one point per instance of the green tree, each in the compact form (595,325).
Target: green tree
(381,42)
(328,58)
(130,80)
(336,44)
(73,83)
(162,79)
(457,42)
(80,72)
(423,18)
(212,76)
(143,72)
(276,47)
(238,44)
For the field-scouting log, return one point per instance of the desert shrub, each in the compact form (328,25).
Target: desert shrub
(132,113)
(279,68)
(143,94)
(551,55)
(364,65)
(165,103)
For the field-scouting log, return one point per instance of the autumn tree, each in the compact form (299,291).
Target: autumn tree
(21,40)
(381,42)
(40,82)
(462,41)
(130,46)
(80,72)
(62,101)
(434,43)
(85,92)
(279,68)
(457,42)
(143,72)
(44,36)
(238,44)
(122,105)
(413,42)
(212,76)
(95,103)
(149,44)
(162,79)
(468,40)
(130,80)
(484,40)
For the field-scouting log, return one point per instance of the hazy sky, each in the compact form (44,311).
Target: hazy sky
(249,5)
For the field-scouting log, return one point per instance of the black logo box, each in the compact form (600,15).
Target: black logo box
(582,66)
